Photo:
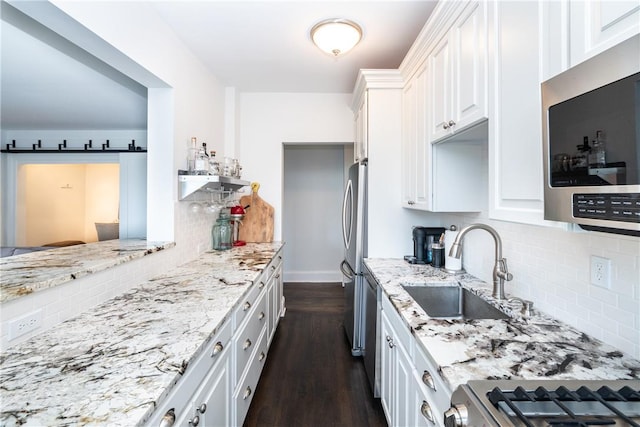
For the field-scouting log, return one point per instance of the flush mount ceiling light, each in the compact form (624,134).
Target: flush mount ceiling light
(336,36)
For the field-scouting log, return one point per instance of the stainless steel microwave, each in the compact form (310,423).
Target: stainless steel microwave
(591,142)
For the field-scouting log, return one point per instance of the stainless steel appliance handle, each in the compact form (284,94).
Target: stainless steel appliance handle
(348,195)
(346,270)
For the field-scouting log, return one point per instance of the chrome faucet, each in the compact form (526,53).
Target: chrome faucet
(500,271)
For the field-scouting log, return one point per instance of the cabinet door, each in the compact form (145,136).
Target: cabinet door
(403,390)
(360,150)
(440,90)
(386,367)
(416,150)
(469,64)
(213,404)
(515,137)
(597,25)
(397,377)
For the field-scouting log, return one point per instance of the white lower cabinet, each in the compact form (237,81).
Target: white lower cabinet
(211,404)
(411,391)
(396,369)
(218,386)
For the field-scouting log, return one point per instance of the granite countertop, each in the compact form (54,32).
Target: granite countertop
(112,364)
(536,347)
(27,273)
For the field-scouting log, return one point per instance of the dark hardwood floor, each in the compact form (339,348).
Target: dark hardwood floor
(311,378)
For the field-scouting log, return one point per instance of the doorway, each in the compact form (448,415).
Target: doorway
(314,177)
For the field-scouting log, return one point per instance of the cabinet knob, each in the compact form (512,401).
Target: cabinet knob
(426,411)
(411,202)
(202,408)
(246,344)
(194,421)
(261,315)
(428,380)
(261,285)
(445,125)
(451,123)
(217,348)
(168,419)
(247,306)
(246,393)
(261,357)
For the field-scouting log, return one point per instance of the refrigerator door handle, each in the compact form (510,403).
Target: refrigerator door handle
(346,270)
(348,196)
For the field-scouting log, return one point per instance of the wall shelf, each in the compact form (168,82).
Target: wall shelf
(189,184)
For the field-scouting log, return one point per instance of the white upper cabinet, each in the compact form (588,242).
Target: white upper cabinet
(457,89)
(360,146)
(416,158)
(576,30)
(515,126)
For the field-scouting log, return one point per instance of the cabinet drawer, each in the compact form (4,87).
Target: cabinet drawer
(247,386)
(248,301)
(273,266)
(247,336)
(432,385)
(401,329)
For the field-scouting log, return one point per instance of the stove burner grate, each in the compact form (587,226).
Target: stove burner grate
(563,407)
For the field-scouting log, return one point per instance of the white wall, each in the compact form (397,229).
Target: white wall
(551,267)
(267,120)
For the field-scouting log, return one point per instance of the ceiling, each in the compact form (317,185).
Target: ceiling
(255,46)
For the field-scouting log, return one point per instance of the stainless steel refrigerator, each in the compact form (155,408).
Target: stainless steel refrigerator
(354,227)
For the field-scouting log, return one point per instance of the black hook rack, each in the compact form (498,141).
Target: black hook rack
(63,148)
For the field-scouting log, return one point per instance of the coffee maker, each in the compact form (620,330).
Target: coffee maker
(423,238)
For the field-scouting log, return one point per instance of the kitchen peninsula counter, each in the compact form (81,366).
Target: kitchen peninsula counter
(113,364)
(537,347)
(25,274)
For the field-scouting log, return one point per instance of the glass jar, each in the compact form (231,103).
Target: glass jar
(221,234)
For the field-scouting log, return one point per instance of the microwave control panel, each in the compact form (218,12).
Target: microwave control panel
(607,206)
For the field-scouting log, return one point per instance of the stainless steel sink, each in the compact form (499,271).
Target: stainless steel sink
(453,302)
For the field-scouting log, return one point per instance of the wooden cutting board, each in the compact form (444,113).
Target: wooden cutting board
(257,225)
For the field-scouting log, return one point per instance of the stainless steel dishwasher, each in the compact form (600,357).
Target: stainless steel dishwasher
(371,339)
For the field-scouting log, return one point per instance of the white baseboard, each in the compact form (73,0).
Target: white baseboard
(312,276)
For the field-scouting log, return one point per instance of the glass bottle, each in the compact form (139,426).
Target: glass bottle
(221,234)
(202,161)
(214,165)
(191,156)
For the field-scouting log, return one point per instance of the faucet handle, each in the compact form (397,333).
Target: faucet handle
(527,306)
(503,270)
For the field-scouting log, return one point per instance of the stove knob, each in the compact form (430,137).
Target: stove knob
(456,416)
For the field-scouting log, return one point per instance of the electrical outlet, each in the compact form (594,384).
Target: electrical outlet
(25,324)
(600,272)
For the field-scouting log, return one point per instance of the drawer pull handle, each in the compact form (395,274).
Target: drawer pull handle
(261,315)
(428,380)
(247,306)
(217,348)
(246,344)
(194,421)
(261,285)
(261,357)
(425,410)
(202,408)
(246,393)
(277,276)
